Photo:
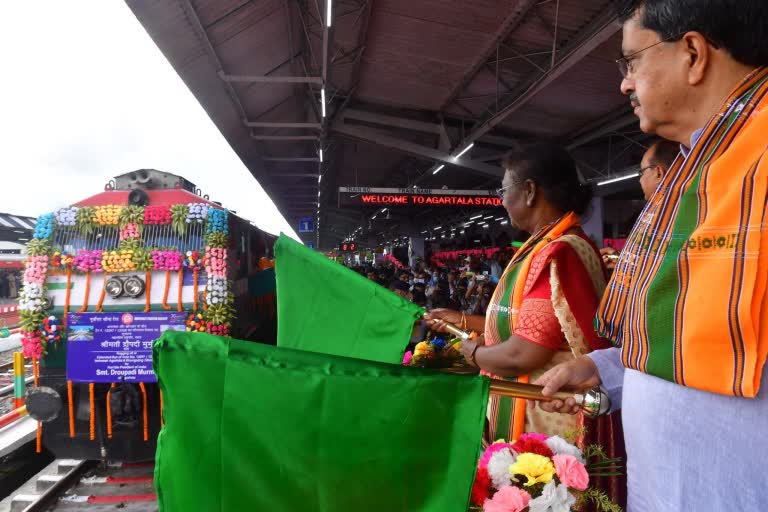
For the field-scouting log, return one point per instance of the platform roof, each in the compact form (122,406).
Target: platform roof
(408,84)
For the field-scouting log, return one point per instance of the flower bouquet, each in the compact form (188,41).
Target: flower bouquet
(540,474)
(436,353)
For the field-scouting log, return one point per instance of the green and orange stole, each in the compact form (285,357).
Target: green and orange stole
(575,290)
(687,301)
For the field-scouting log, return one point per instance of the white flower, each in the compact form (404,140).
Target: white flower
(498,468)
(554,498)
(562,447)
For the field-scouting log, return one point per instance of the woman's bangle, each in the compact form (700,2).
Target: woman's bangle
(472,357)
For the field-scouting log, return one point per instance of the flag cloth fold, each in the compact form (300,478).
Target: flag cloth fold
(256,427)
(325,307)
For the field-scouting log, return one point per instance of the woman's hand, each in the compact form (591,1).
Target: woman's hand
(468,347)
(437,318)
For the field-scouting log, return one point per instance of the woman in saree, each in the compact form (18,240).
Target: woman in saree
(542,311)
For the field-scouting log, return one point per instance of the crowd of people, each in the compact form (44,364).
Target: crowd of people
(465,286)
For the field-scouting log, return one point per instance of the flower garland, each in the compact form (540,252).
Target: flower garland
(166,260)
(132,215)
(179,218)
(44,226)
(33,296)
(89,260)
(219,300)
(118,261)
(36,270)
(197,213)
(129,231)
(108,215)
(62,260)
(51,331)
(85,218)
(157,215)
(66,216)
(218,221)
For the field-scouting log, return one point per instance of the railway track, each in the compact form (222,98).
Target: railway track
(71,485)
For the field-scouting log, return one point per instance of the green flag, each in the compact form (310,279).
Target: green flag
(251,427)
(325,307)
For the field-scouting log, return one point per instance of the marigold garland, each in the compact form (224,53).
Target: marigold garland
(167,289)
(147,297)
(87,293)
(103,294)
(71,405)
(180,306)
(92,403)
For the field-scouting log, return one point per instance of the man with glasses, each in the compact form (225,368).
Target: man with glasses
(657,160)
(687,307)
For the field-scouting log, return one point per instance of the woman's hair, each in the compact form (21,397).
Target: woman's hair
(553,171)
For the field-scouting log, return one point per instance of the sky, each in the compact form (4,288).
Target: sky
(86,95)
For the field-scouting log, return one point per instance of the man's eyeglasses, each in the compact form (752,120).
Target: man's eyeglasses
(501,191)
(643,169)
(625,61)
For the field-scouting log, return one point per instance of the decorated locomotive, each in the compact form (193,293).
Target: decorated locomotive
(104,278)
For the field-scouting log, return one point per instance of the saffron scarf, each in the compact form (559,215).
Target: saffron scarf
(687,301)
(503,309)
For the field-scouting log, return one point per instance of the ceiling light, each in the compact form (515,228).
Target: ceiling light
(475,217)
(437,227)
(615,180)
(437,170)
(322,91)
(499,218)
(328,12)
(462,231)
(464,151)
(488,217)
(321,150)
(504,223)
(319,177)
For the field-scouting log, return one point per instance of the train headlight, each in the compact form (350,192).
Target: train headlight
(114,287)
(134,287)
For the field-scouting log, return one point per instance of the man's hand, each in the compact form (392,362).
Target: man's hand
(581,373)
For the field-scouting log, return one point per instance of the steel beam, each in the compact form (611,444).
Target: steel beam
(379,138)
(271,79)
(390,121)
(291,159)
(283,137)
(597,32)
(513,20)
(602,127)
(259,124)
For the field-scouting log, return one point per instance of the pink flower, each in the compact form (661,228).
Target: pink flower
(495,447)
(533,435)
(571,472)
(508,499)
(407,358)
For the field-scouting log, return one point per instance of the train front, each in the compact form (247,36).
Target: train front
(104,279)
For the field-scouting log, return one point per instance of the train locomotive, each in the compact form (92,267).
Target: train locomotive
(104,278)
